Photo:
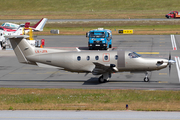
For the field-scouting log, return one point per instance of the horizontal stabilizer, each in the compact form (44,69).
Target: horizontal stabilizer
(17,36)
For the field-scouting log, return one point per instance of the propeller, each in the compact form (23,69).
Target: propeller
(170,62)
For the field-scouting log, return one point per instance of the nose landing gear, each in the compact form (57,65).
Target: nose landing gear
(146,79)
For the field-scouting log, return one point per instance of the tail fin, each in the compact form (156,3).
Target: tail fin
(21,47)
(40,25)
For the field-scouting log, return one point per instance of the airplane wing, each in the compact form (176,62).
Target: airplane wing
(103,68)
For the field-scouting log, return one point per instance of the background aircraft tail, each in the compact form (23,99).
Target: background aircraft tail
(40,25)
(21,47)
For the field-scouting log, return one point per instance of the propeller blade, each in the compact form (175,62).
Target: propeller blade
(169,56)
(169,64)
(169,69)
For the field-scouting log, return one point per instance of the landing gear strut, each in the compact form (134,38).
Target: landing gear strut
(146,79)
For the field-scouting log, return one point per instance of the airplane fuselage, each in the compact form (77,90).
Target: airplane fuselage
(83,61)
(102,63)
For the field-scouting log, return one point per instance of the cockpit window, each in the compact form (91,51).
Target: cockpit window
(8,25)
(134,55)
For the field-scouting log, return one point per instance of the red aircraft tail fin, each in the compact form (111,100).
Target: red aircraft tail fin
(39,26)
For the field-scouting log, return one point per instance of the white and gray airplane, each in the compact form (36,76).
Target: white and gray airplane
(102,63)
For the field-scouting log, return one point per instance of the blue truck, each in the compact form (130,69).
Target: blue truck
(99,39)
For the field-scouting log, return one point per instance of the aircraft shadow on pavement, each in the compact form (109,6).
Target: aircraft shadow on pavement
(91,81)
(94,81)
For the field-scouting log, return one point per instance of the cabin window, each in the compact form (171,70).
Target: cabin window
(105,57)
(96,57)
(78,58)
(88,58)
(116,57)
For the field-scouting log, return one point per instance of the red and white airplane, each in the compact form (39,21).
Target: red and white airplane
(11,27)
(7,30)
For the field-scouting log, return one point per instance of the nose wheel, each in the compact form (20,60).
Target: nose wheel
(146,79)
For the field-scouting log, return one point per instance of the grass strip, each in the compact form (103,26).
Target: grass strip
(86,9)
(139,27)
(84,99)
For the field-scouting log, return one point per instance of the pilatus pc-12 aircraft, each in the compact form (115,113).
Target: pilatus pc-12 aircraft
(102,63)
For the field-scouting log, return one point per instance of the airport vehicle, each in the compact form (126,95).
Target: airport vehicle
(173,14)
(102,63)
(99,39)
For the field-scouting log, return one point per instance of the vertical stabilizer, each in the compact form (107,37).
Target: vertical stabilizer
(40,25)
(21,47)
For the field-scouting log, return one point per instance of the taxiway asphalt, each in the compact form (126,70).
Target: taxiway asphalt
(14,74)
(87,115)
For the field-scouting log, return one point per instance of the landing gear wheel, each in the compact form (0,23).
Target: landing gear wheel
(101,80)
(146,79)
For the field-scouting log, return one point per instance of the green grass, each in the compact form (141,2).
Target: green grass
(87,5)
(78,9)
(84,99)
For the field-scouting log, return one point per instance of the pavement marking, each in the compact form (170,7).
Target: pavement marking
(162,73)
(177,66)
(147,52)
(19,73)
(163,82)
(173,41)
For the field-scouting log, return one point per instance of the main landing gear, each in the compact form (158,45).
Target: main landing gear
(146,79)
(104,78)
